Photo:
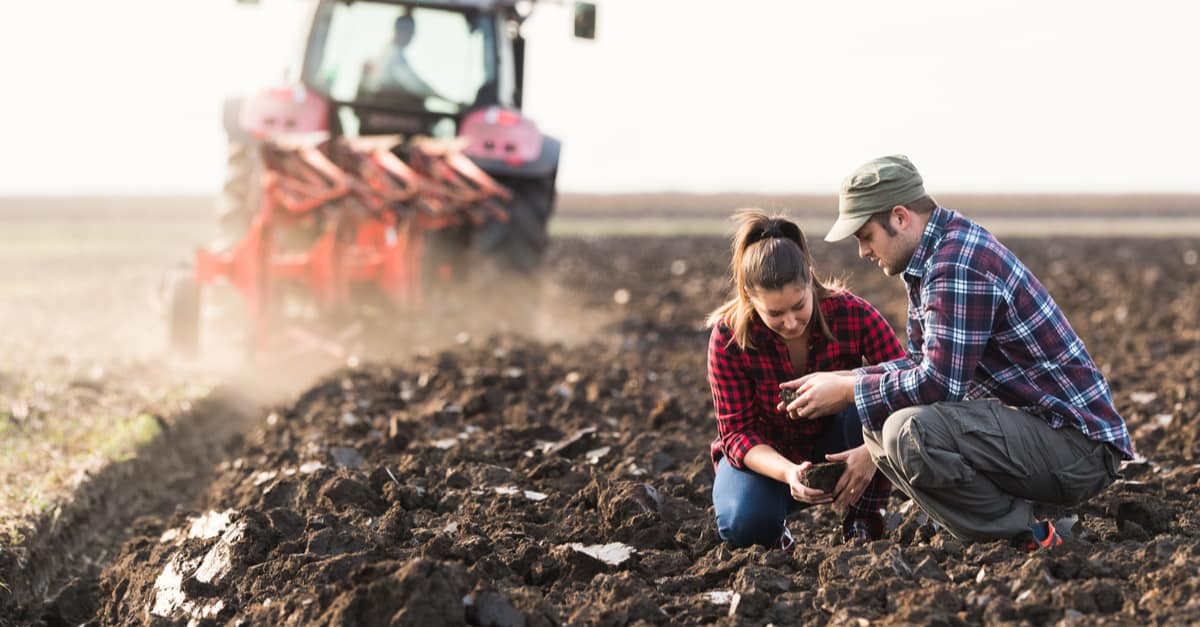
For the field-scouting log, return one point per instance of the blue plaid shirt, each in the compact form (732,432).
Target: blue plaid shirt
(980,325)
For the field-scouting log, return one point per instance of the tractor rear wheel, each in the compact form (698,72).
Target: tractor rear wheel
(241,194)
(519,243)
(183,314)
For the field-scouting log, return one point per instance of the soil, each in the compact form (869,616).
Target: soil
(823,476)
(787,395)
(61,563)
(516,481)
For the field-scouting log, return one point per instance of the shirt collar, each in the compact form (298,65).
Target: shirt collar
(929,238)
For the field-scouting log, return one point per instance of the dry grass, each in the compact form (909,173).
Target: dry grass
(57,428)
(82,373)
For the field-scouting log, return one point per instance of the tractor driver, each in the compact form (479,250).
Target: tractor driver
(390,73)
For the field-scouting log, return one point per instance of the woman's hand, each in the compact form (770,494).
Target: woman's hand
(803,493)
(859,471)
(819,394)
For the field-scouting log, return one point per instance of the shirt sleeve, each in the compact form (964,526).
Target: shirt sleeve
(733,397)
(959,308)
(903,362)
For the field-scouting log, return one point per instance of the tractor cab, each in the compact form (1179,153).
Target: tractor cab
(413,67)
(440,68)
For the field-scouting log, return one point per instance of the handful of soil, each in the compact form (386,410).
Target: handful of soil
(787,395)
(823,476)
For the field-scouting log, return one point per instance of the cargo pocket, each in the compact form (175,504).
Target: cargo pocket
(985,440)
(929,462)
(1087,476)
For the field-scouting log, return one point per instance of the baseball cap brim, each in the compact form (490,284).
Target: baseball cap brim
(845,227)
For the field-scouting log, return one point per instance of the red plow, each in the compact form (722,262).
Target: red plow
(340,216)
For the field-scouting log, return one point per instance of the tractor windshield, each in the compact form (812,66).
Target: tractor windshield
(407,59)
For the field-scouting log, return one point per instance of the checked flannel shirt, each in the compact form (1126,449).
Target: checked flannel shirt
(745,384)
(980,325)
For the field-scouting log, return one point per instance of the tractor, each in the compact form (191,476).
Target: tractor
(393,163)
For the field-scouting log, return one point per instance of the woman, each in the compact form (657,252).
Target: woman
(782,323)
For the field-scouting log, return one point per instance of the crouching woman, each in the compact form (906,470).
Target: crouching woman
(783,322)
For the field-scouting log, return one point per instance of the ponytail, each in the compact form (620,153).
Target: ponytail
(769,253)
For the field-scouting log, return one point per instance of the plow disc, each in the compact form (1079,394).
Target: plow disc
(340,215)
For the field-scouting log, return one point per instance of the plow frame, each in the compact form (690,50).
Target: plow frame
(367,211)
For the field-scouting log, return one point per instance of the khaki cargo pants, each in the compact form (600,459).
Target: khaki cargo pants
(974,466)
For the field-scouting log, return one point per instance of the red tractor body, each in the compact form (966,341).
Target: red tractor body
(360,175)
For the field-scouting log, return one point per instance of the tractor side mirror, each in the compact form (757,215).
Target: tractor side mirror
(585,20)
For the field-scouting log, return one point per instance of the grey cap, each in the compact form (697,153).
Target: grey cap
(874,187)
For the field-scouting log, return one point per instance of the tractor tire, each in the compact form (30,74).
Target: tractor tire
(183,314)
(519,244)
(241,194)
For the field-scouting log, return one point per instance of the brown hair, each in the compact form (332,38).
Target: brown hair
(769,252)
(922,205)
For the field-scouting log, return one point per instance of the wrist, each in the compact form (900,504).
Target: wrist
(793,470)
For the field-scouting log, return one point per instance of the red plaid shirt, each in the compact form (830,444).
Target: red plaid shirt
(745,384)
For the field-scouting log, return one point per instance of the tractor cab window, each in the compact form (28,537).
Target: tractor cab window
(406,58)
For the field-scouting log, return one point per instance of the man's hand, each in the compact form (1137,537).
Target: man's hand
(803,493)
(819,394)
(859,470)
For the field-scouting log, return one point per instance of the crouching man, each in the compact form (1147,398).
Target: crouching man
(997,402)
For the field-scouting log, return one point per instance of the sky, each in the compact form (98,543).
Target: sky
(770,96)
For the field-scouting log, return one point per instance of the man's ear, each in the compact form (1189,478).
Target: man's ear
(902,217)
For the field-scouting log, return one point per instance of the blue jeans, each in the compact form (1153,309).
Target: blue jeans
(751,508)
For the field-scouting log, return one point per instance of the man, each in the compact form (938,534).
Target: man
(390,71)
(997,402)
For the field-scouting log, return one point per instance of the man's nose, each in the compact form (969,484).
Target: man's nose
(863,252)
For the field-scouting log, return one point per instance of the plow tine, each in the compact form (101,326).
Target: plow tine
(475,215)
(305,179)
(321,164)
(392,164)
(482,181)
(496,211)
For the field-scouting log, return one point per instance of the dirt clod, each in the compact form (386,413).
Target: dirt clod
(823,476)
